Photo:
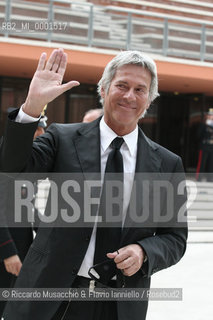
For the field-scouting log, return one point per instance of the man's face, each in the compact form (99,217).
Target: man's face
(127,98)
(91,116)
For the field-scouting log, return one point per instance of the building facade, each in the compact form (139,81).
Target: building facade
(177,34)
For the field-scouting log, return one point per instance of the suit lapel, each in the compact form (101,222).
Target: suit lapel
(87,145)
(147,159)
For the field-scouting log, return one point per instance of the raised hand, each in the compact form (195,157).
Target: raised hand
(46,84)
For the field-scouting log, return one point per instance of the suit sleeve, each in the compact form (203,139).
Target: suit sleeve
(19,153)
(166,247)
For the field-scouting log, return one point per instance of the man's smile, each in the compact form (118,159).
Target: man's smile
(126,106)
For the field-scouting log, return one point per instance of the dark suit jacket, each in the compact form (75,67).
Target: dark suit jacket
(57,253)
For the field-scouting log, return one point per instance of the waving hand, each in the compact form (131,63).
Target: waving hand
(46,84)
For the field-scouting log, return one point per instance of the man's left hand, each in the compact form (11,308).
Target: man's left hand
(128,259)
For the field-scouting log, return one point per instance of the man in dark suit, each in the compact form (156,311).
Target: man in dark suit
(62,257)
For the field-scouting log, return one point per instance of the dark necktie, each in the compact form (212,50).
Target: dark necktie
(108,235)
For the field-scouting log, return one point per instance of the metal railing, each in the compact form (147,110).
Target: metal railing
(110,27)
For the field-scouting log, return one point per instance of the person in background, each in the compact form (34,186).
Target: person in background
(93,114)
(205,158)
(15,242)
(41,126)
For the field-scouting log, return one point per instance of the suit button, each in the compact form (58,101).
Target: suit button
(74,271)
(87,238)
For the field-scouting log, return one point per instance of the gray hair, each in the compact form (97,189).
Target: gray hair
(126,58)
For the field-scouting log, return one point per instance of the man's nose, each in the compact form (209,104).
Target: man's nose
(130,95)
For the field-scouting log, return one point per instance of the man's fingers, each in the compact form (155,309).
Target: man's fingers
(118,256)
(130,271)
(14,268)
(54,61)
(63,64)
(112,255)
(69,85)
(126,263)
(123,255)
(8,268)
(52,58)
(129,259)
(42,60)
(18,268)
(57,62)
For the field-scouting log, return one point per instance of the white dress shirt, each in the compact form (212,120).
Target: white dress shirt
(129,153)
(22,117)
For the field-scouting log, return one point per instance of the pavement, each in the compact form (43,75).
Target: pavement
(194,274)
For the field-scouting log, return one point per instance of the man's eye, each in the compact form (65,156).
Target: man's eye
(140,90)
(122,86)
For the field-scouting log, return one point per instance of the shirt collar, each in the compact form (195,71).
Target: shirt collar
(108,135)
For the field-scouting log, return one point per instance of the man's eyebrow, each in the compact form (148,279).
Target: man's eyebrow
(121,81)
(125,82)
